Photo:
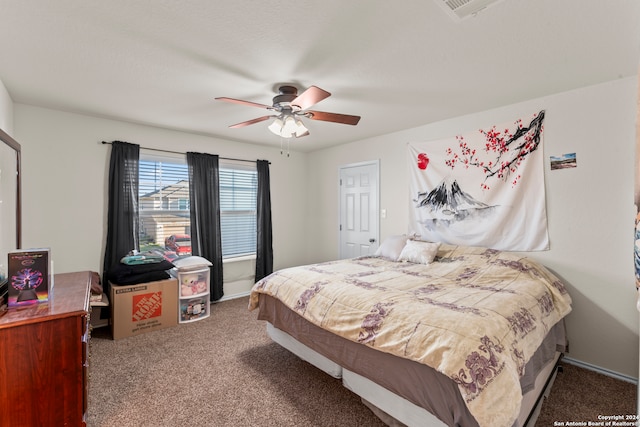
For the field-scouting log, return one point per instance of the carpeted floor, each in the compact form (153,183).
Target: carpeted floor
(582,396)
(225,371)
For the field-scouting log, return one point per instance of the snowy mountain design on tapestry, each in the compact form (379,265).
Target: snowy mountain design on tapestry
(447,202)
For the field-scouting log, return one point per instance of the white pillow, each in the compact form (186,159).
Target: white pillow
(191,262)
(419,252)
(391,247)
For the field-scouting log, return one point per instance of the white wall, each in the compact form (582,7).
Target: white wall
(6,110)
(65,171)
(590,209)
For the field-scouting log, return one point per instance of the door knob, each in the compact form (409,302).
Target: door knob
(372,240)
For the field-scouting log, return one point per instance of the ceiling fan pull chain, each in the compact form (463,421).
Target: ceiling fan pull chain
(282,145)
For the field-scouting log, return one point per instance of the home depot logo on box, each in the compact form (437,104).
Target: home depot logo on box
(146,306)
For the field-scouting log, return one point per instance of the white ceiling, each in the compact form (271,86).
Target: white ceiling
(398,64)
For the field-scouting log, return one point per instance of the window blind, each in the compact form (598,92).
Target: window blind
(238,194)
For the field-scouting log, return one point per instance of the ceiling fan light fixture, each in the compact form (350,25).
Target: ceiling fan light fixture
(288,126)
(276,126)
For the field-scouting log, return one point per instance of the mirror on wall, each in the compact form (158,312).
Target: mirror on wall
(10,200)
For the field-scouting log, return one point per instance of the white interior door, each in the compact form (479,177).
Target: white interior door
(359,209)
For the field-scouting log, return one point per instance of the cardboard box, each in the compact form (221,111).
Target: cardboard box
(144,307)
(30,280)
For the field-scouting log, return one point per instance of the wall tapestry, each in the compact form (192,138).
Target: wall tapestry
(482,188)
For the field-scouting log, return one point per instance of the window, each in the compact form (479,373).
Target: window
(164,205)
(238,195)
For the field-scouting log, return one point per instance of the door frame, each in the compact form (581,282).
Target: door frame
(375,163)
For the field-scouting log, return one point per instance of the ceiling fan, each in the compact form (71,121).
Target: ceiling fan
(289,107)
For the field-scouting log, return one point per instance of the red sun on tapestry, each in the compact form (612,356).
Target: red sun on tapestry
(423,161)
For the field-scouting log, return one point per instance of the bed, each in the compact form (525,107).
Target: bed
(427,334)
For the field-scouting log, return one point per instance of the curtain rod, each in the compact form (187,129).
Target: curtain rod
(177,152)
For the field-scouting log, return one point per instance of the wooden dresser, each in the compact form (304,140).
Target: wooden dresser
(44,357)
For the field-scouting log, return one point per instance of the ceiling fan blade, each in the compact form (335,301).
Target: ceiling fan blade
(310,97)
(333,117)
(241,102)
(250,122)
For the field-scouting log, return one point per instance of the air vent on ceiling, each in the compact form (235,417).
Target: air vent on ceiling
(461,9)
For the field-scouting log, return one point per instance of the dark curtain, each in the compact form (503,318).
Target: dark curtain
(122,215)
(204,193)
(264,246)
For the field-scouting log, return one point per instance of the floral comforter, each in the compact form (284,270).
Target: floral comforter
(476,315)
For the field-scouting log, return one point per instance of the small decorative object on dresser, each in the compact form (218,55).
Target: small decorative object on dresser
(29,277)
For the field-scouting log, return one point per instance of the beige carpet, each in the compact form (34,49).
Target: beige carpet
(225,371)
(580,395)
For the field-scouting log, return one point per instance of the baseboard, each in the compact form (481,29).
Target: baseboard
(600,370)
(234,296)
